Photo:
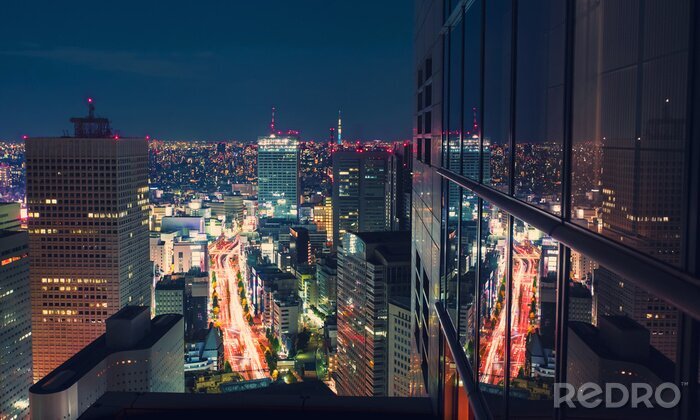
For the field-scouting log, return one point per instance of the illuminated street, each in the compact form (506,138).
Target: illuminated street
(241,343)
(525,266)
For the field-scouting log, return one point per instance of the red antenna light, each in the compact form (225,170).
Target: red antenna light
(25,137)
(89,100)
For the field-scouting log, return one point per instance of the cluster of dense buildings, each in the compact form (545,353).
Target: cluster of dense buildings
(12,171)
(496,254)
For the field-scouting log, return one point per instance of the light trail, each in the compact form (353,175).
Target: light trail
(241,345)
(525,268)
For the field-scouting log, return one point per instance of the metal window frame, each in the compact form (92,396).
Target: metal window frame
(669,283)
(474,395)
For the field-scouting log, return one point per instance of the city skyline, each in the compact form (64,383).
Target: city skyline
(530,241)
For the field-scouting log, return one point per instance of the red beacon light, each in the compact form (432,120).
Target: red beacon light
(25,137)
(116,137)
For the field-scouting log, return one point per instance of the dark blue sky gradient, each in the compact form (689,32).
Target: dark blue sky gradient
(208,69)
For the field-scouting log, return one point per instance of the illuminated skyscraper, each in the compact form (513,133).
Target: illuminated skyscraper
(278,173)
(373,268)
(88,235)
(401,162)
(323,217)
(361,193)
(15,325)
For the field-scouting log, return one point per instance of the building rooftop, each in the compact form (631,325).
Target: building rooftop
(395,254)
(86,359)
(8,233)
(129,312)
(384,237)
(403,302)
(171,284)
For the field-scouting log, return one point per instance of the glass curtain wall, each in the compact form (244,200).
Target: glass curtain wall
(592,132)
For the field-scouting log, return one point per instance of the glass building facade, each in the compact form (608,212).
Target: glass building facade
(555,203)
(278,176)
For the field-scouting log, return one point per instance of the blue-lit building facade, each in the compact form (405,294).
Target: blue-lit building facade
(278,175)
(555,205)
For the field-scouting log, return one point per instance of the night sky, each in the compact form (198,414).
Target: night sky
(208,70)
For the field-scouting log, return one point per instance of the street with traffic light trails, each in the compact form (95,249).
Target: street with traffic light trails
(525,272)
(243,343)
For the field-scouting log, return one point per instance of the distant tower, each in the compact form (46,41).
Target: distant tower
(272,122)
(340,128)
(278,169)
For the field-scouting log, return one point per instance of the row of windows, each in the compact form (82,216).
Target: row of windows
(500,286)
(503,120)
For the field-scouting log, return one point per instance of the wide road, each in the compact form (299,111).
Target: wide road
(525,270)
(241,345)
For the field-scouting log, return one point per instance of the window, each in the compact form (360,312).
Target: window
(497,82)
(533,295)
(493,274)
(471,136)
(629,123)
(617,332)
(468,247)
(539,113)
(427,143)
(454,98)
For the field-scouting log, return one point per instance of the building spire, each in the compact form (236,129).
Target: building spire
(91,108)
(340,128)
(272,122)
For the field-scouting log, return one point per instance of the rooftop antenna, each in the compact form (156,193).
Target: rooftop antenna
(91,108)
(91,126)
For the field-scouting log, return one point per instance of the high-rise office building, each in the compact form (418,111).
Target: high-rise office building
(15,325)
(323,218)
(550,186)
(373,268)
(299,246)
(278,175)
(327,281)
(399,339)
(401,161)
(361,192)
(88,235)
